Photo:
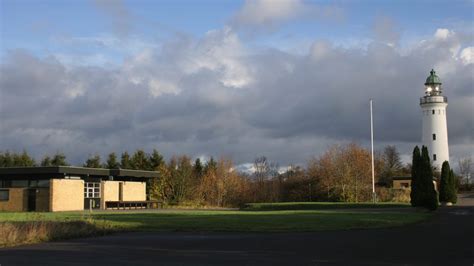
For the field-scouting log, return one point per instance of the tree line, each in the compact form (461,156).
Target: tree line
(342,173)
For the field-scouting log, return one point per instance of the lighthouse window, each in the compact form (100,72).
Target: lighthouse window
(434,157)
(433,111)
(434,136)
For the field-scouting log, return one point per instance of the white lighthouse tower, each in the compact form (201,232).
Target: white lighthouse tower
(435,130)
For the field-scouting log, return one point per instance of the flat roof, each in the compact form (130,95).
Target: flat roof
(56,171)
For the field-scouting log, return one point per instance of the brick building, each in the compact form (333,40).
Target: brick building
(65,188)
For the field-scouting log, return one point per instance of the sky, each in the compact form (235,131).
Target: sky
(285,79)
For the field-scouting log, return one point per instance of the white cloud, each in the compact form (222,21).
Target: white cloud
(442,34)
(215,96)
(467,55)
(269,14)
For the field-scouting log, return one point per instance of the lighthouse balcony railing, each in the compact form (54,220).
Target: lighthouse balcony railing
(433,99)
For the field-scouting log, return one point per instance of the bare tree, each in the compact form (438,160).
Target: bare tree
(465,169)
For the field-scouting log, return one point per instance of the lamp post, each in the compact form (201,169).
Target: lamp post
(372,151)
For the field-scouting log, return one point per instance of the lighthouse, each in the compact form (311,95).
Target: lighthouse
(435,131)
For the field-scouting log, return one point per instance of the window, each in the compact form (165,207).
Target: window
(434,157)
(433,111)
(434,136)
(404,185)
(4,194)
(92,190)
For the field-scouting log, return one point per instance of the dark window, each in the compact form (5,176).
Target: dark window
(434,136)
(4,194)
(404,185)
(434,157)
(433,111)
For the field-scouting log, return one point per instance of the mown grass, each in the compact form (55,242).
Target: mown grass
(22,227)
(320,206)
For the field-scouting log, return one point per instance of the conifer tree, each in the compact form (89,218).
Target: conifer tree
(428,195)
(415,178)
(112,161)
(452,189)
(59,159)
(444,182)
(93,162)
(125,161)
(156,160)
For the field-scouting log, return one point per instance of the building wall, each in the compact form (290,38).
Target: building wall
(66,195)
(17,200)
(134,191)
(399,184)
(110,192)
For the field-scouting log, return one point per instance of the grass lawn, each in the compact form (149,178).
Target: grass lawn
(321,206)
(308,218)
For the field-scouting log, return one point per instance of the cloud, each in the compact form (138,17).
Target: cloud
(270,14)
(214,96)
(118,13)
(385,30)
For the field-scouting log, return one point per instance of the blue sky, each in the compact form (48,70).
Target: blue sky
(280,78)
(37,25)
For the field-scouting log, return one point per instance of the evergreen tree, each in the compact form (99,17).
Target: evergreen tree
(415,178)
(428,195)
(125,162)
(140,160)
(197,169)
(444,182)
(93,162)
(59,159)
(6,159)
(452,188)
(46,161)
(156,160)
(112,161)
(26,160)
(211,166)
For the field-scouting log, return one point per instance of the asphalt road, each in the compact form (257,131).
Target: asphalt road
(447,239)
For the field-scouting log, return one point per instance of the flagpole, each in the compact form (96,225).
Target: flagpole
(372,151)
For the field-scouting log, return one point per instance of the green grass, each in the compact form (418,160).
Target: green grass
(320,206)
(236,221)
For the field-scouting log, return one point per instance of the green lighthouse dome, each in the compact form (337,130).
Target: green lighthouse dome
(433,79)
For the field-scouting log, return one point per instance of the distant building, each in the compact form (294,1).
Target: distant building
(435,130)
(65,188)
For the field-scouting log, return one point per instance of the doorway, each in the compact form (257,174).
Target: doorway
(31,195)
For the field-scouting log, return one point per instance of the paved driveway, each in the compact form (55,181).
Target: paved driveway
(447,239)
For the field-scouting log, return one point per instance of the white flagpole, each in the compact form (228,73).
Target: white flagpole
(372,150)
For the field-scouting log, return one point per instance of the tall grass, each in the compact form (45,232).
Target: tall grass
(19,233)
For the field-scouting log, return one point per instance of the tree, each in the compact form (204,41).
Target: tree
(46,161)
(59,159)
(14,159)
(392,165)
(415,177)
(465,169)
(452,188)
(197,169)
(444,182)
(125,162)
(429,197)
(140,161)
(112,162)
(93,162)
(156,160)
